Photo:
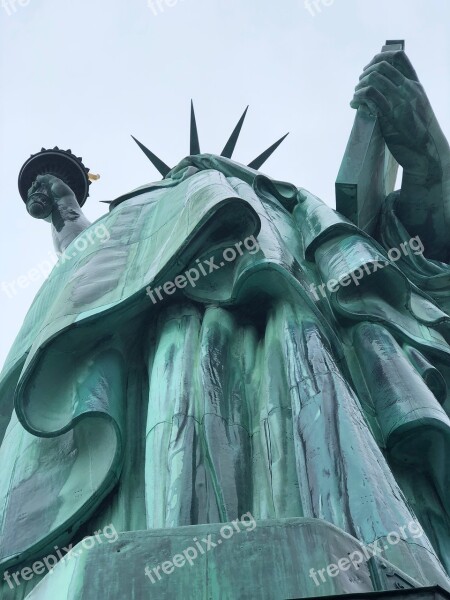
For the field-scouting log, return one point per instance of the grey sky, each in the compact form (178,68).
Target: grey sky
(84,75)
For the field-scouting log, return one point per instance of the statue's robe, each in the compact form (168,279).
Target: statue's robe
(247,392)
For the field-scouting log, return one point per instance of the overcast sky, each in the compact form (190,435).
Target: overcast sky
(85,75)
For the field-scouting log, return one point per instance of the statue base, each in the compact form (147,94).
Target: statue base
(268,560)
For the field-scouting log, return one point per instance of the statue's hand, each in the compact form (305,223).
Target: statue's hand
(390,88)
(48,193)
(51,199)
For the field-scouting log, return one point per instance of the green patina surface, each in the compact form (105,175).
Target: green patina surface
(261,386)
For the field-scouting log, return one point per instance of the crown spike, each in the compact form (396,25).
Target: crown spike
(195,144)
(227,152)
(157,162)
(261,159)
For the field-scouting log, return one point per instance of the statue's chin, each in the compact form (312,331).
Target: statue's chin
(39,206)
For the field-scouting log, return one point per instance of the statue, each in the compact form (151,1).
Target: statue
(236,347)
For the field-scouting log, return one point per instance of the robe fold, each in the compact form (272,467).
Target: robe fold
(251,389)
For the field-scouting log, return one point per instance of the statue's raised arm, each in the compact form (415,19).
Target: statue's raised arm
(390,88)
(50,196)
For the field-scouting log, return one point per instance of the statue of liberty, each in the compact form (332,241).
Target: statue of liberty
(237,347)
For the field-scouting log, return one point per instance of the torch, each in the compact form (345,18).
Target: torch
(59,163)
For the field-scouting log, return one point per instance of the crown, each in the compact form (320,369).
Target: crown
(227,152)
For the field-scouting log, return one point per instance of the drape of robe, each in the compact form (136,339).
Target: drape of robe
(256,393)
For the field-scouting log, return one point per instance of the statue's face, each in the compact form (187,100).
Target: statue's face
(39,201)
